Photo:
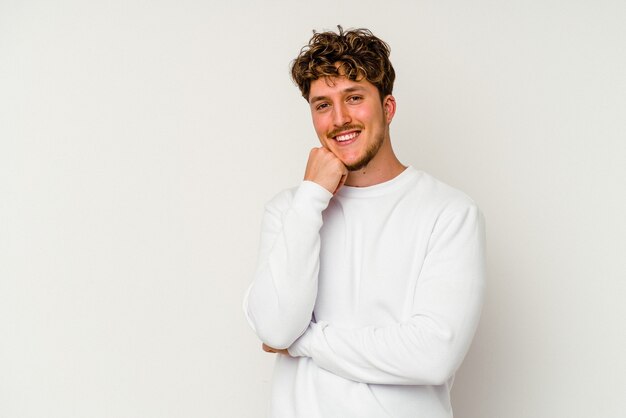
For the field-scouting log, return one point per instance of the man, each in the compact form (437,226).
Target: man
(371,274)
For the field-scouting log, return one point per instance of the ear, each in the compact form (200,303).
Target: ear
(389,108)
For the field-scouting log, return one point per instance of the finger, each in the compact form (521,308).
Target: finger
(267,348)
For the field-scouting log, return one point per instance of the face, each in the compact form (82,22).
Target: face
(350,120)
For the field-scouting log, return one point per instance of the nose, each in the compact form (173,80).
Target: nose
(341,115)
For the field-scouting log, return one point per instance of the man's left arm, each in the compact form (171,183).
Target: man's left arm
(428,347)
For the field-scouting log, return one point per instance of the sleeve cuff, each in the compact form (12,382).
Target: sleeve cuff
(303,346)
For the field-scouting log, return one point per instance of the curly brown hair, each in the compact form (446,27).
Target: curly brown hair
(355,54)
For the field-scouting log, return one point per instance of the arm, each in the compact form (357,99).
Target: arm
(428,347)
(280,301)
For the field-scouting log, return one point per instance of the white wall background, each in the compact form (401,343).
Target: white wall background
(139,141)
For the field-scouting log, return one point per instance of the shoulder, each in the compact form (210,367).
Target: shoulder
(456,218)
(441,197)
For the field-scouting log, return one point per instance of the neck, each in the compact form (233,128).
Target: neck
(383,167)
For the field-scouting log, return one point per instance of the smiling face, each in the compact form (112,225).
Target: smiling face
(351,120)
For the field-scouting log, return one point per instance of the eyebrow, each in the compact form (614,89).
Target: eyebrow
(344,91)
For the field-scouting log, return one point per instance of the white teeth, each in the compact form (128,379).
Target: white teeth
(346,137)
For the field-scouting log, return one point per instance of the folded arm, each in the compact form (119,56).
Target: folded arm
(427,347)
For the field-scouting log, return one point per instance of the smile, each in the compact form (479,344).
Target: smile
(347,136)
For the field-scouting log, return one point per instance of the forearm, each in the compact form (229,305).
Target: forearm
(427,346)
(280,300)
(424,350)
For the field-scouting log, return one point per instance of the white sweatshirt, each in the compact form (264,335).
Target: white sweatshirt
(376,292)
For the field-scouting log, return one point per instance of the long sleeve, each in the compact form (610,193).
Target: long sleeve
(427,347)
(280,300)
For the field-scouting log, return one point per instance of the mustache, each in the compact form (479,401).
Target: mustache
(344,128)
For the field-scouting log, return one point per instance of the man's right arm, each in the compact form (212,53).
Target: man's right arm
(280,301)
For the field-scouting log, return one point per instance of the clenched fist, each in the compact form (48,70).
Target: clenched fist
(325,169)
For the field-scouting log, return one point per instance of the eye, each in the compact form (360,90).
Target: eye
(322,106)
(354,99)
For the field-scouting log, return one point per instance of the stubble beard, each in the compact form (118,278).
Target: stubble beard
(370,153)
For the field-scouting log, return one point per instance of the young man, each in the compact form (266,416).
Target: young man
(371,274)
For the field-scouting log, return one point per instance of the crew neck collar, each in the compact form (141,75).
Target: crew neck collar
(381,188)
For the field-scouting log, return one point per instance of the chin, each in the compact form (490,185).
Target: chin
(358,164)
